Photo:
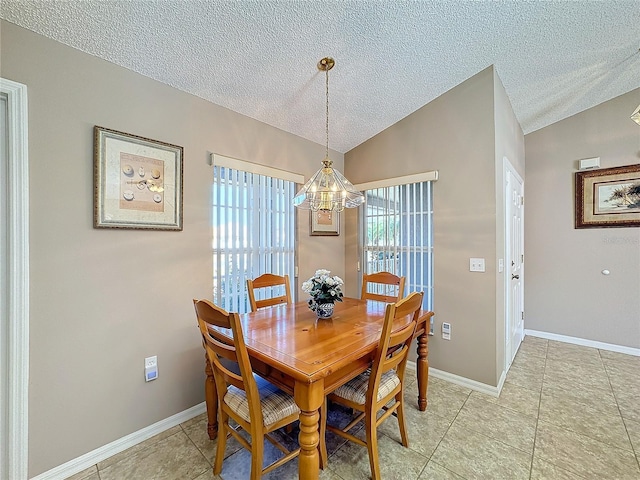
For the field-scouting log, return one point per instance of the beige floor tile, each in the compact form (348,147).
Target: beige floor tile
(514,397)
(630,365)
(197,419)
(598,399)
(579,417)
(567,353)
(624,381)
(531,379)
(140,448)
(476,456)
(90,473)
(583,455)
(576,376)
(172,458)
(445,402)
(529,339)
(633,429)
(629,404)
(435,382)
(196,430)
(208,475)
(438,384)
(608,356)
(529,361)
(433,471)
(497,422)
(577,370)
(425,429)
(533,346)
(351,461)
(542,470)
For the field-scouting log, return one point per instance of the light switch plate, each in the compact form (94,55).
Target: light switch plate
(476,265)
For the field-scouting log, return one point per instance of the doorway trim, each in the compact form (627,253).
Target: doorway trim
(15,312)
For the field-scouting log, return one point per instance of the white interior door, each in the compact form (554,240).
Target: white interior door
(514,271)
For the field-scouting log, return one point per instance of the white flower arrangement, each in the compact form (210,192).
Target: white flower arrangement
(323,288)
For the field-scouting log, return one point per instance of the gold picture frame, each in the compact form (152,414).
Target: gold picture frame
(608,197)
(324,222)
(137,182)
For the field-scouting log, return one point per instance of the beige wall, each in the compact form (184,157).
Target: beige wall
(565,292)
(454,134)
(103,300)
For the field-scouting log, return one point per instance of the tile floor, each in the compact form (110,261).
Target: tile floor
(566,412)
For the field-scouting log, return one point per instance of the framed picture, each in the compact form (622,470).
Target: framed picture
(324,222)
(609,197)
(137,182)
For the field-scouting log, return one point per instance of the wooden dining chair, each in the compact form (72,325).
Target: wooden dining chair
(269,280)
(373,283)
(374,390)
(257,406)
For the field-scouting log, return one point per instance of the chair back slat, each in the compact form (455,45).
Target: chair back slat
(229,360)
(393,349)
(268,280)
(392,285)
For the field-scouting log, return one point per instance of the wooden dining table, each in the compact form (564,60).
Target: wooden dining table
(310,357)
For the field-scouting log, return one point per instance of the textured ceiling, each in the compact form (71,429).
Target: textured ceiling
(258,58)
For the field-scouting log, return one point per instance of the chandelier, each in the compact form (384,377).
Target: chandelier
(328,190)
(635,116)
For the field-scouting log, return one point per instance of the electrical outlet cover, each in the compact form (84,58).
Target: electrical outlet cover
(151,361)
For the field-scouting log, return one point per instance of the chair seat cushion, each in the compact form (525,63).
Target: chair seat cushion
(275,403)
(356,390)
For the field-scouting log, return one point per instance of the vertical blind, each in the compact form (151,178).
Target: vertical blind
(253,231)
(397,234)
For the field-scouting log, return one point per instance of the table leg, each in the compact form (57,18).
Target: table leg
(309,397)
(423,370)
(211,400)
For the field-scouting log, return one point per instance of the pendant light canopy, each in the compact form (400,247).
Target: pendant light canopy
(328,189)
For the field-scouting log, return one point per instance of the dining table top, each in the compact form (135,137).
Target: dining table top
(308,348)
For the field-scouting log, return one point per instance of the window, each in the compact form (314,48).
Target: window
(253,227)
(397,231)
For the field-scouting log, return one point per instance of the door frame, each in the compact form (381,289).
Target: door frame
(14,326)
(508,169)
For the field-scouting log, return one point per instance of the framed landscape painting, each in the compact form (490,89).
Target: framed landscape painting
(608,197)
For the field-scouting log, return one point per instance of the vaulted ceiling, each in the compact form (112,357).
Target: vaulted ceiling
(258,58)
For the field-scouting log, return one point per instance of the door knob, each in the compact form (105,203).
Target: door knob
(515,277)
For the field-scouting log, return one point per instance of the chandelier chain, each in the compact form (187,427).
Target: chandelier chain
(327,121)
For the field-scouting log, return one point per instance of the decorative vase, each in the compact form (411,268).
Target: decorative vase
(324,310)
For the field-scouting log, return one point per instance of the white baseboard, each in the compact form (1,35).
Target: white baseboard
(462,381)
(467,382)
(585,343)
(99,454)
